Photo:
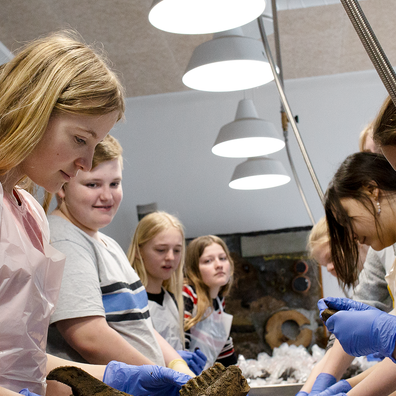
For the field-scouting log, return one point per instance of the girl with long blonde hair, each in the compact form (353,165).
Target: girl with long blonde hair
(58,100)
(157,254)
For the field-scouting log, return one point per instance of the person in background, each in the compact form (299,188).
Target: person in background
(384,131)
(58,100)
(208,278)
(157,253)
(102,312)
(360,205)
(366,142)
(371,289)
(319,247)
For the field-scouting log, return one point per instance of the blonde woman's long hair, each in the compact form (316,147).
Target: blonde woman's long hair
(193,276)
(54,74)
(318,236)
(147,229)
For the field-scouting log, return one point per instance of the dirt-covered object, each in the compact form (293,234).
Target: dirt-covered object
(217,381)
(327,313)
(82,383)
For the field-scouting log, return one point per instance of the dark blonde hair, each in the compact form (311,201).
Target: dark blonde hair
(147,229)
(384,125)
(193,275)
(366,132)
(108,149)
(50,75)
(358,173)
(318,236)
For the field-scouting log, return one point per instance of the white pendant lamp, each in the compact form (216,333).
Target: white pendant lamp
(203,16)
(228,62)
(259,173)
(248,135)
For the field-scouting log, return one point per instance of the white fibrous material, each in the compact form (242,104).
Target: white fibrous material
(287,365)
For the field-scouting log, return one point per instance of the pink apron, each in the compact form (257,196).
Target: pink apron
(30,277)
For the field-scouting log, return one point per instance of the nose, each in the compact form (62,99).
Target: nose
(170,255)
(219,263)
(85,161)
(105,193)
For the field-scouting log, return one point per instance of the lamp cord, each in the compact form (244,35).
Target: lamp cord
(287,115)
(372,46)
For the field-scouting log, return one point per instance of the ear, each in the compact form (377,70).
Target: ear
(61,193)
(372,190)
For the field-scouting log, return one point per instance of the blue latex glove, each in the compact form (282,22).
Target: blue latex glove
(322,382)
(302,393)
(196,360)
(360,328)
(144,380)
(339,387)
(341,394)
(26,392)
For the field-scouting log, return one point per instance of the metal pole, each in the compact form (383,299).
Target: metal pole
(288,111)
(284,119)
(372,46)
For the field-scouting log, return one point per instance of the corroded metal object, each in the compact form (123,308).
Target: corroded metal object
(217,381)
(82,383)
(327,313)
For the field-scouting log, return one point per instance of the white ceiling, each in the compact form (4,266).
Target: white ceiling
(294,4)
(314,40)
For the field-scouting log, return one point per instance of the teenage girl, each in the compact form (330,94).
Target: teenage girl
(360,205)
(157,254)
(208,271)
(58,100)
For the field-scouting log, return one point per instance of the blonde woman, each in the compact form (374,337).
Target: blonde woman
(157,254)
(208,271)
(58,100)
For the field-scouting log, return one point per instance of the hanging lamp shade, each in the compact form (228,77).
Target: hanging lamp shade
(203,16)
(248,135)
(228,62)
(259,173)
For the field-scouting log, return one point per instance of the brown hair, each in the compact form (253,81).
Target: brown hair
(358,172)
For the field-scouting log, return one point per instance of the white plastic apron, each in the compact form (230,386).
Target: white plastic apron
(29,287)
(166,320)
(211,334)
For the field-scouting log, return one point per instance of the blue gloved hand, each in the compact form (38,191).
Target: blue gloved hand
(26,392)
(196,360)
(341,394)
(302,393)
(360,328)
(144,380)
(342,386)
(322,382)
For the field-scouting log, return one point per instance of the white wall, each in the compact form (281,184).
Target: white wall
(167,142)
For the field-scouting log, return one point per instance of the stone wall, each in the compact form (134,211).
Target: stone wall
(275,292)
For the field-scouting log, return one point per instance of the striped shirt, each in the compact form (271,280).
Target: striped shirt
(99,281)
(227,356)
